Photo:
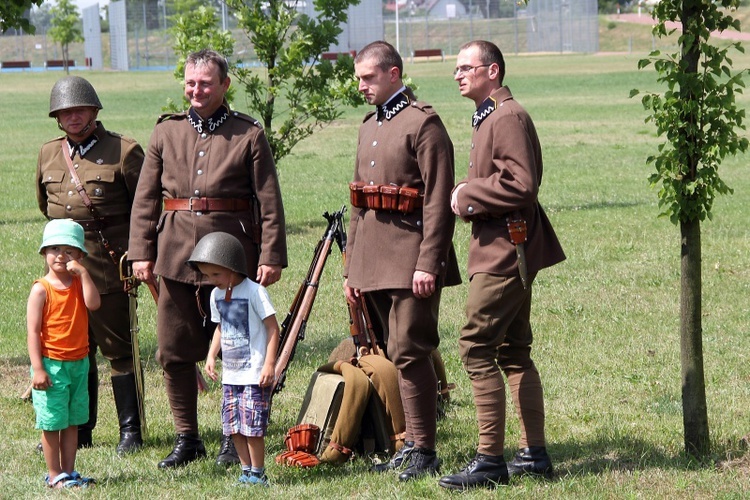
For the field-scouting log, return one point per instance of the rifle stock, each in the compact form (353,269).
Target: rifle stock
(294,325)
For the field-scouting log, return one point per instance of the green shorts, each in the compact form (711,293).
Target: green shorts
(66,402)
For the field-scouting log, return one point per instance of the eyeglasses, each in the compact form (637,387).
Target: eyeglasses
(466,68)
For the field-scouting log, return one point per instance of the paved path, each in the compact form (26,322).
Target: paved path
(645,18)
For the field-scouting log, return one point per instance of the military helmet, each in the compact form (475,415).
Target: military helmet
(72,92)
(221,249)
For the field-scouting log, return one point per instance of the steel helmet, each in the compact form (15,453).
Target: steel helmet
(72,92)
(221,249)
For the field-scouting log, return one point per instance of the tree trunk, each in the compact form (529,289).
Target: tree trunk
(694,412)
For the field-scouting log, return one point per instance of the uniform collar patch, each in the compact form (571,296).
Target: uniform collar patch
(393,107)
(483,111)
(83,147)
(212,123)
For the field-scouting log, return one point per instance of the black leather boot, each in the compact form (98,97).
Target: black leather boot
(483,470)
(126,402)
(420,462)
(397,460)
(533,461)
(85,439)
(187,448)
(227,453)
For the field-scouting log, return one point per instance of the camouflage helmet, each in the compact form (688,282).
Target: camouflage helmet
(221,249)
(72,92)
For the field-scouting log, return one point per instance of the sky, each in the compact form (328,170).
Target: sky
(81,4)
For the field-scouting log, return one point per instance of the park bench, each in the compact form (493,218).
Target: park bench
(59,63)
(15,64)
(427,53)
(333,56)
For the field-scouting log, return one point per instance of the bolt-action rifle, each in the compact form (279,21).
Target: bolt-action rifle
(293,327)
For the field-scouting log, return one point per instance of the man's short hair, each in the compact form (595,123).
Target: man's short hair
(385,55)
(207,56)
(489,53)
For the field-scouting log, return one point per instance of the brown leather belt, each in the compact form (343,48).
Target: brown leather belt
(206,204)
(99,224)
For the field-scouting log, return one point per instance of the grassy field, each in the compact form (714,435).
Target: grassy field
(606,320)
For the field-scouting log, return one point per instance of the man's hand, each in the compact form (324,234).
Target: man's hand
(454,199)
(268,275)
(143,270)
(423,284)
(350,293)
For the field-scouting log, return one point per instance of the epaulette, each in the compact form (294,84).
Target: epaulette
(422,106)
(170,116)
(56,139)
(247,118)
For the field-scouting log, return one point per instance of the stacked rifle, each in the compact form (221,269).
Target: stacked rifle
(294,325)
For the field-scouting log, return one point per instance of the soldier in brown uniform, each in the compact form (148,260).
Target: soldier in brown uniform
(107,166)
(401,258)
(208,169)
(499,197)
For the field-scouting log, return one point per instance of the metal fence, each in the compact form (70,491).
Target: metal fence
(543,25)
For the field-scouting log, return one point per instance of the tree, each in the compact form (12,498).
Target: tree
(698,115)
(297,91)
(12,14)
(65,28)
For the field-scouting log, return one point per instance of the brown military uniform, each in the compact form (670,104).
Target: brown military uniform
(406,146)
(505,172)
(108,166)
(226,157)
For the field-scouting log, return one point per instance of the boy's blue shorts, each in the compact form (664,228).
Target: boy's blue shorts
(66,402)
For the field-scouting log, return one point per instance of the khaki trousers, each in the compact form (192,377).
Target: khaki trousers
(496,340)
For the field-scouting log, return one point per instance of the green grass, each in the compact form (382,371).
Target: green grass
(606,320)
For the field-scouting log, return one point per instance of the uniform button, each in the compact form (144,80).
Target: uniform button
(442,264)
(49,177)
(98,192)
(199,172)
(204,135)
(202,154)
(70,193)
(75,166)
(471,164)
(472,145)
(68,208)
(374,143)
(419,223)
(98,177)
(372,163)
(380,124)
(470,209)
(197,192)
(372,183)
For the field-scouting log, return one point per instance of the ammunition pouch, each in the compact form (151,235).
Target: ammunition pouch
(385,197)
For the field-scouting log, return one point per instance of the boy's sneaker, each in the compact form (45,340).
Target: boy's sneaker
(253,478)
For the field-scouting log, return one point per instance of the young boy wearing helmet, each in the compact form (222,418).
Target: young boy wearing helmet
(248,337)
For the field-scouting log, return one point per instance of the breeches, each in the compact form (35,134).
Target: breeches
(409,325)
(497,334)
(182,333)
(109,329)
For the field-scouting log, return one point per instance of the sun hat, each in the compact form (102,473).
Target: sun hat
(63,232)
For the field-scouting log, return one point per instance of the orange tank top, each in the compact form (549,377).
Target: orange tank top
(65,322)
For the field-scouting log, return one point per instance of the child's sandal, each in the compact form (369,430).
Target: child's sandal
(62,480)
(83,481)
